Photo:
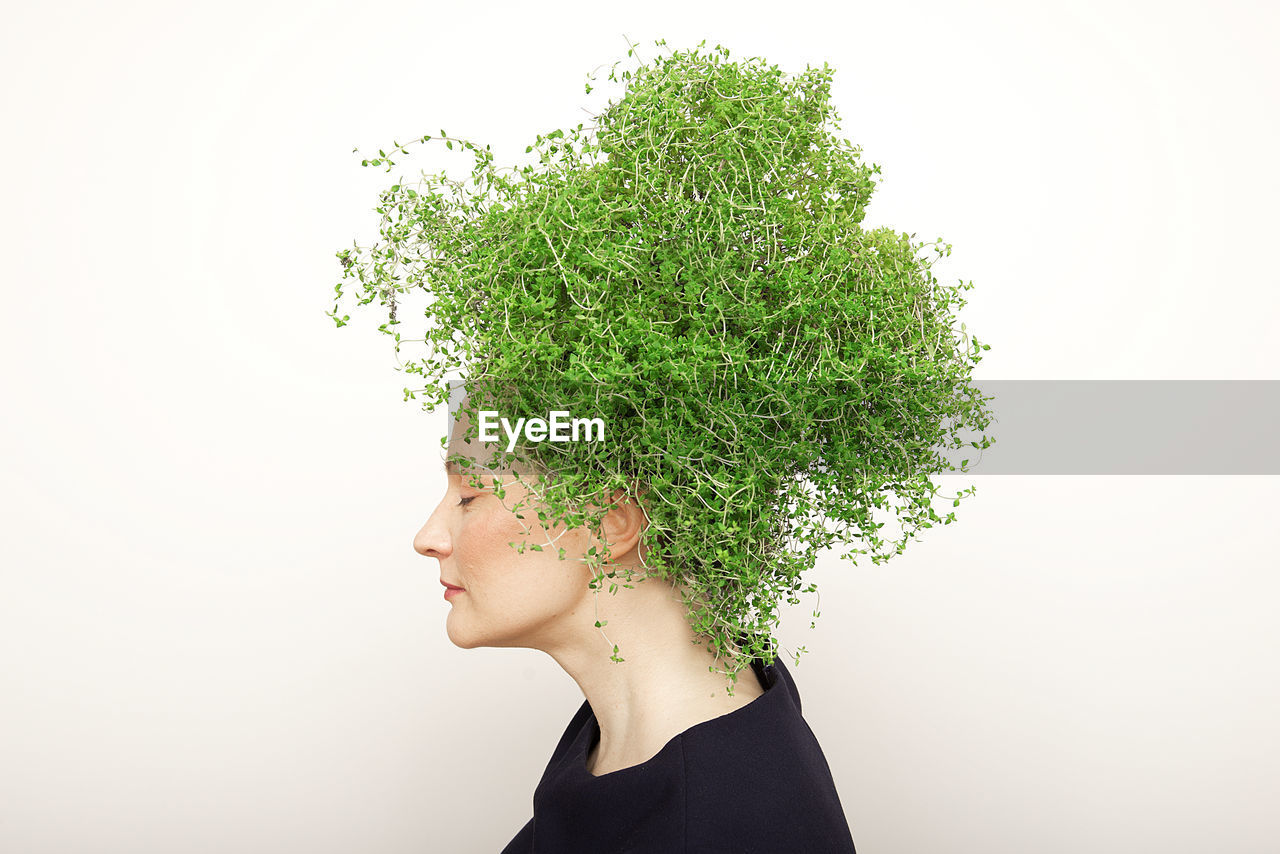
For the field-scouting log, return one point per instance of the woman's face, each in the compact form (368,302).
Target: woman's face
(507,598)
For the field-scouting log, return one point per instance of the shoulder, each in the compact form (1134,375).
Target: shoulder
(575,729)
(759,774)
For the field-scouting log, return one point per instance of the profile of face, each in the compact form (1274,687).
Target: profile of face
(509,598)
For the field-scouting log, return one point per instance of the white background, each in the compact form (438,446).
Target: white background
(214,633)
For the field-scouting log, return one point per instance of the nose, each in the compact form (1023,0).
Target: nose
(433,539)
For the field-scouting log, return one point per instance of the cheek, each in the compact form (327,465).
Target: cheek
(514,585)
(482,546)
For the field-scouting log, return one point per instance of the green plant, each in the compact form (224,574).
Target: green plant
(692,269)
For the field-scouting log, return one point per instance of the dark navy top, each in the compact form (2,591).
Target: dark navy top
(753,781)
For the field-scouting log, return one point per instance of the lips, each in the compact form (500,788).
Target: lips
(451,586)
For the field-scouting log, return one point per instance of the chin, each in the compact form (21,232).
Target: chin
(468,637)
(460,638)
(471,637)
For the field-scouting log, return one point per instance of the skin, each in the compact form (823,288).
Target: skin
(537,601)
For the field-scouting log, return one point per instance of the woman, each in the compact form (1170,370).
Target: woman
(694,271)
(659,757)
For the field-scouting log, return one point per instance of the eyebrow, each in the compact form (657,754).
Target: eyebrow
(447,463)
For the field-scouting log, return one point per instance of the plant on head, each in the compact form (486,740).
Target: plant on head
(693,270)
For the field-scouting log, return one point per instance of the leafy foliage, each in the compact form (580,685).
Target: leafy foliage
(692,269)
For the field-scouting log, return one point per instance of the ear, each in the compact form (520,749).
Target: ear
(622,526)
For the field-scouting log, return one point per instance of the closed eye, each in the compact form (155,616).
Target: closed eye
(465,501)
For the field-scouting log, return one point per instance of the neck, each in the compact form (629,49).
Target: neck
(666,682)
